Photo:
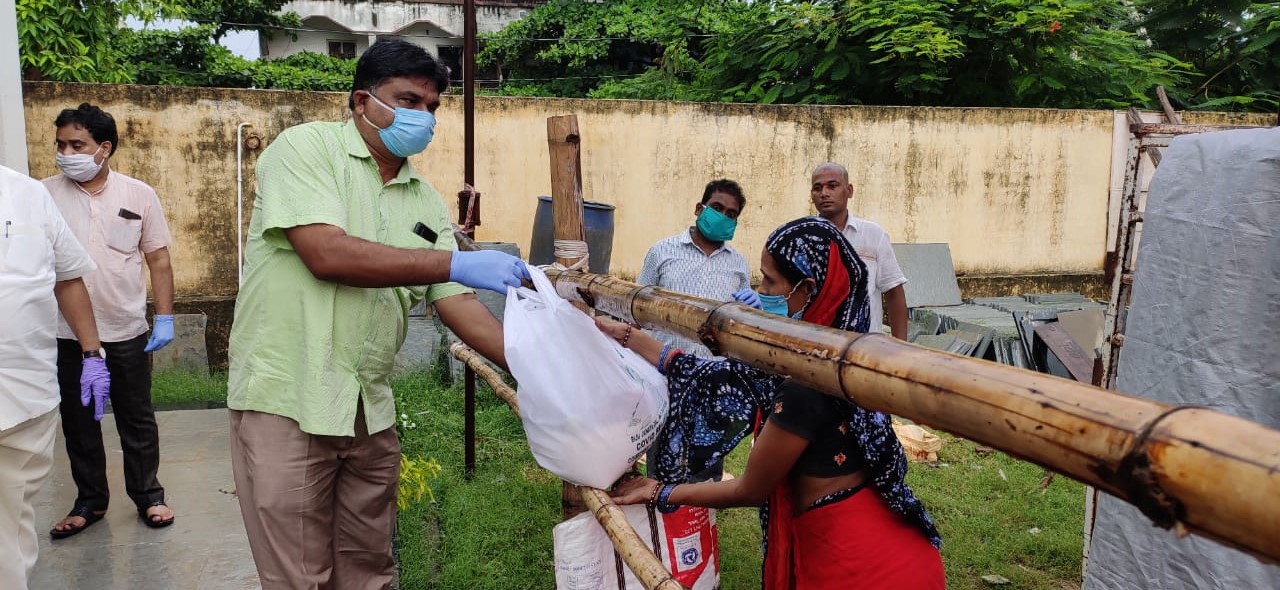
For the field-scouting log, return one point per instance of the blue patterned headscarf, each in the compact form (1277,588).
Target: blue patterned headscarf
(813,248)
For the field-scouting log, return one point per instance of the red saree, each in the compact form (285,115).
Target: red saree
(857,542)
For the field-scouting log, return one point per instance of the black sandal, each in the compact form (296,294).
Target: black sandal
(89,515)
(149,519)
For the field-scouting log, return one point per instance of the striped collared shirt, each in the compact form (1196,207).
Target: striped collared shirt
(678,264)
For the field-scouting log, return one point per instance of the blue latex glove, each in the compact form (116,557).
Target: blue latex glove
(748,297)
(487,269)
(95,385)
(161,333)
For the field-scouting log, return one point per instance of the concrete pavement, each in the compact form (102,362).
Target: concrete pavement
(205,548)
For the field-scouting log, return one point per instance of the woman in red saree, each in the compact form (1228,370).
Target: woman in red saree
(827,474)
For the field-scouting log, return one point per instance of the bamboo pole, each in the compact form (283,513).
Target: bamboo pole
(638,556)
(642,561)
(477,363)
(1191,469)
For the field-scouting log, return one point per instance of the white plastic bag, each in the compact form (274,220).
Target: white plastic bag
(590,407)
(686,544)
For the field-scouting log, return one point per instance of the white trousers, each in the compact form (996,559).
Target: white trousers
(26,458)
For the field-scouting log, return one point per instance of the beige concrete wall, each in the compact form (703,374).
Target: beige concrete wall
(1013,191)
(181,141)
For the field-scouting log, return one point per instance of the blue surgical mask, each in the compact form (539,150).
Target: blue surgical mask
(716,226)
(774,304)
(410,131)
(777,304)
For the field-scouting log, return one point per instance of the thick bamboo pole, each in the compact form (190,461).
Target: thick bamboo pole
(642,561)
(1192,469)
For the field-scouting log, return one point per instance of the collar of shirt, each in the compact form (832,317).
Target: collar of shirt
(110,174)
(851,222)
(686,237)
(356,146)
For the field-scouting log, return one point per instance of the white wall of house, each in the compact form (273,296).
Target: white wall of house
(427,24)
(281,44)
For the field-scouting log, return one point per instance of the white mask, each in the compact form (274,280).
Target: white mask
(80,167)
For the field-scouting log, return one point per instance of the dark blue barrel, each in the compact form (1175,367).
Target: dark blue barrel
(597,220)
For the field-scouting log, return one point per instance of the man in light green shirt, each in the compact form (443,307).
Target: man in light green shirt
(345,238)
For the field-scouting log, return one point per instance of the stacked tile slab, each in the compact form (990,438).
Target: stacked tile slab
(988,327)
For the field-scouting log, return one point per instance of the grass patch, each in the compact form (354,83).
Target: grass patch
(996,518)
(495,530)
(175,388)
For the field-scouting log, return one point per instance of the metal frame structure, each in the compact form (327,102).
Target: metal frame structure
(1147,139)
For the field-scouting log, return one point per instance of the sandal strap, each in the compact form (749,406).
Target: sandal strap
(85,512)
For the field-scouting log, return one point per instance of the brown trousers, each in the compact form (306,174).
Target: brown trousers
(319,510)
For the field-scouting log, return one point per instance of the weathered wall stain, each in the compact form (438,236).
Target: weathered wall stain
(1013,191)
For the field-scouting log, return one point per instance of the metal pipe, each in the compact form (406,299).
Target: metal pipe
(469,92)
(240,202)
(469,422)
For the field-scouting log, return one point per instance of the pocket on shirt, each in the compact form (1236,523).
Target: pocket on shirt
(28,251)
(870,260)
(124,235)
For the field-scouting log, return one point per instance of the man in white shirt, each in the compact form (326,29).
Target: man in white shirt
(830,193)
(699,260)
(40,268)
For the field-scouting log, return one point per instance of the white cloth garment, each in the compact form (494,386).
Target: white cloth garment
(26,458)
(871,243)
(36,249)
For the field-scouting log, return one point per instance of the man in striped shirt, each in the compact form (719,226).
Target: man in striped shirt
(699,261)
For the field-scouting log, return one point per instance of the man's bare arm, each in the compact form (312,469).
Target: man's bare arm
(474,325)
(73,302)
(161,280)
(895,302)
(332,255)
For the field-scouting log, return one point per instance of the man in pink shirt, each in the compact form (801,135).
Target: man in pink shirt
(119,221)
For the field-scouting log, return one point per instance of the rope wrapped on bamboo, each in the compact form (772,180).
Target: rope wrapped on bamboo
(642,561)
(1192,469)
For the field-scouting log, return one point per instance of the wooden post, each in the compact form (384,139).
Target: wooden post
(476,363)
(566,181)
(644,563)
(564,145)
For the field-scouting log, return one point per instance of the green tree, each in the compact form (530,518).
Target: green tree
(73,40)
(1024,53)
(190,57)
(576,48)
(240,15)
(1053,53)
(1233,44)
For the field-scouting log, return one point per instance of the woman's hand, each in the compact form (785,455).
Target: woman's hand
(634,491)
(612,328)
(632,337)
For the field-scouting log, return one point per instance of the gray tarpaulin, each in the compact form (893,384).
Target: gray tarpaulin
(1202,330)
